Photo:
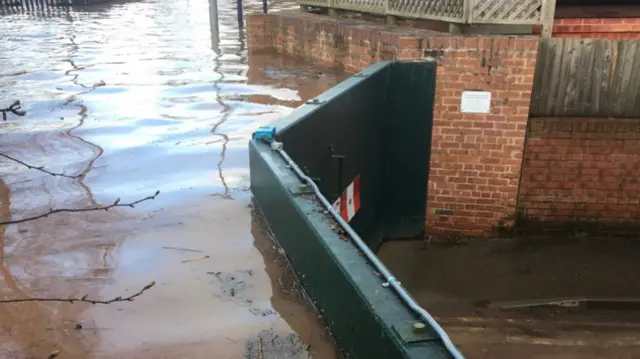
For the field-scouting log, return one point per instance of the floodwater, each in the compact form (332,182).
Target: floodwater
(473,288)
(136,97)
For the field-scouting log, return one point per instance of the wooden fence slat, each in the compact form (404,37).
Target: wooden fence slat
(592,103)
(631,90)
(554,73)
(617,71)
(606,76)
(587,78)
(584,79)
(551,87)
(634,107)
(563,76)
(573,75)
(541,77)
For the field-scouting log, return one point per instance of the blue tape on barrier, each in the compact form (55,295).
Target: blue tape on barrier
(265,133)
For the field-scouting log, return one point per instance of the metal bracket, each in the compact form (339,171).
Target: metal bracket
(414,331)
(276,146)
(306,171)
(340,158)
(315,101)
(332,150)
(301,189)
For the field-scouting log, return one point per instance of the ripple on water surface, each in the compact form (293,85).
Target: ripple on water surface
(139,96)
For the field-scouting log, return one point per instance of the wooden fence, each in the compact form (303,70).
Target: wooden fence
(587,78)
(503,12)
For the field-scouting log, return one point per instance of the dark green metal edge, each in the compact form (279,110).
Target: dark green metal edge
(300,113)
(366,319)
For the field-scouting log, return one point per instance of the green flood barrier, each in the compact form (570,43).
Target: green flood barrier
(372,130)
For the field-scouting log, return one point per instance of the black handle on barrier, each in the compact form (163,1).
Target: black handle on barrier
(340,159)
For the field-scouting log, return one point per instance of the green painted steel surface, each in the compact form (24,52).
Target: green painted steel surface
(408,147)
(380,122)
(362,119)
(349,118)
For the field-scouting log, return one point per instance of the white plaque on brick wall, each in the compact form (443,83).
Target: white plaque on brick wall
(475,102)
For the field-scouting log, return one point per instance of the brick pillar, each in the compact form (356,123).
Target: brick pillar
(259,33)
(476,158)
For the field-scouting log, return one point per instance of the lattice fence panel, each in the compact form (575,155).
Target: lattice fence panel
(507,11)
(368,6)
(34,3)
(428,9)
(319,3)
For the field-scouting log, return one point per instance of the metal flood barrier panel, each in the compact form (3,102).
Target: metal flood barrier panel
(373,132)
(366,144)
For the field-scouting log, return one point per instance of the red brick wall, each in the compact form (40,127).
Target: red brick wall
(582,169)
(328,42)
(475,159)
(598,28)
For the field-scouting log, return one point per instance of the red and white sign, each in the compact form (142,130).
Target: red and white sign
(349,203)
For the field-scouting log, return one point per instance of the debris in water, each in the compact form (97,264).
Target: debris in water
(116,203)
(261,312)
(183,249)
(195,259)
(270,344)
(53,354)
(83,298)
(78,326)
(14,108)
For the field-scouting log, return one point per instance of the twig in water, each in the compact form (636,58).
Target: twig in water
(88,209)
(183,249)
(83,299)
(14,109)
(194,259)
(39,168)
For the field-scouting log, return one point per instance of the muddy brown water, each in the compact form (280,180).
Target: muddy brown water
(464,285)
(139,96)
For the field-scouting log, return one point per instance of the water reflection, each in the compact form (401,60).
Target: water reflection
(214,26)
(286,298)
(73,72)
(139,96)
(226,109)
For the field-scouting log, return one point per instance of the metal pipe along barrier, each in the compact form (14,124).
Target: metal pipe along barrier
(380,267)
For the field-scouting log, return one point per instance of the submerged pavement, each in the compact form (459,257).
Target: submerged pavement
(135,97)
